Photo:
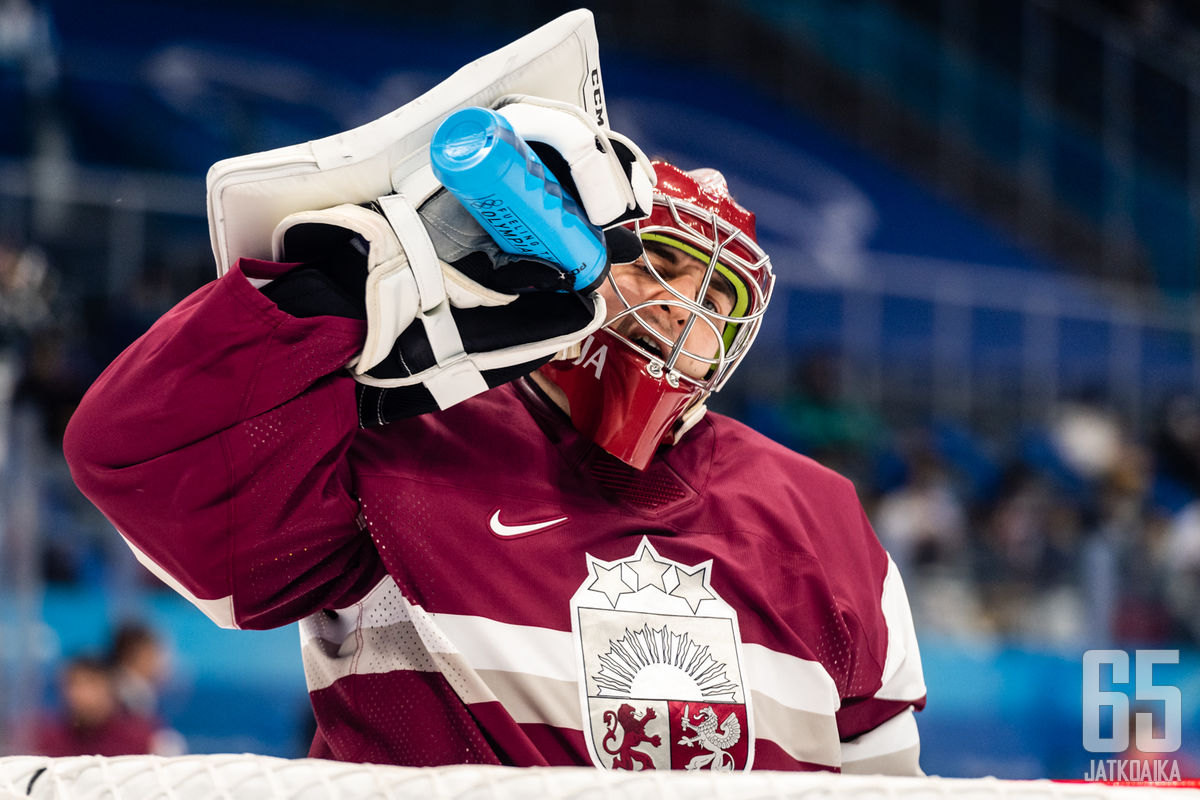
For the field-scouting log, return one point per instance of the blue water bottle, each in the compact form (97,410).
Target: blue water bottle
(479,158)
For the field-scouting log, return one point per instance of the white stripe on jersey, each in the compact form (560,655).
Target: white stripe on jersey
(898,733)
(488,644)
(803,735)
(219,610)
(790,681)
(485,644)
(903,678)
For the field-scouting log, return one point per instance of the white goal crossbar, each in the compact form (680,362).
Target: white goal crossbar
(250,777)
(259,777)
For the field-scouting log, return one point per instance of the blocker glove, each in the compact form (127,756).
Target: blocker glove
(435,335)
(449,315)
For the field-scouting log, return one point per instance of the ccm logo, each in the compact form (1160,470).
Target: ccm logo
(598,96)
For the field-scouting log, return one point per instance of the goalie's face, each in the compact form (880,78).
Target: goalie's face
(680,319)
(646,306)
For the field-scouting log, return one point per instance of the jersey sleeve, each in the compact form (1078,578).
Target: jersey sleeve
(876,722)
(216,444)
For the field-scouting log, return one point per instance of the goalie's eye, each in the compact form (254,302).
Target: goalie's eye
(720,297)
(671,264)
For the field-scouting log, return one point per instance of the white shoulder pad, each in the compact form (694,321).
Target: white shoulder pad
(249,195)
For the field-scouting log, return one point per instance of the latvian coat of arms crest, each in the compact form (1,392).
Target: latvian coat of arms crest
(662,682)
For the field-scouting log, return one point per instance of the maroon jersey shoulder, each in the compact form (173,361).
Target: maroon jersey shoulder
(798,503)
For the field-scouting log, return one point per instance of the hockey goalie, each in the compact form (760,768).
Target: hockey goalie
(509,530)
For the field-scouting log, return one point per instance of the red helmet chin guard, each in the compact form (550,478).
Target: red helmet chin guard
(616,402)
(627,394)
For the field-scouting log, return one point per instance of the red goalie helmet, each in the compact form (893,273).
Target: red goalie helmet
(681,318)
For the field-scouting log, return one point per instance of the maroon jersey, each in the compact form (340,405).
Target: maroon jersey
(485,585)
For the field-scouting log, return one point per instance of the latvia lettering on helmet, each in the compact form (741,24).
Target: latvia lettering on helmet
(594,359)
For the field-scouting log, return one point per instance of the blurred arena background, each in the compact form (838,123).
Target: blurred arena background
(983,214)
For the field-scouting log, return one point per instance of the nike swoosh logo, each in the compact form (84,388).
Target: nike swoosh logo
(513,531)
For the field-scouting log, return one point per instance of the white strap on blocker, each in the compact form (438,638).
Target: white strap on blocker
(455,378)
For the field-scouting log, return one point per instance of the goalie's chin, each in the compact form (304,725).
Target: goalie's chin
(614,399)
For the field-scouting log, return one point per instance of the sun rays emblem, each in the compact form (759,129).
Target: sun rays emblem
(649,663)
(656,644)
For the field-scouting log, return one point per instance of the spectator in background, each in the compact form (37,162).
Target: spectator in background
(821,421)
(1137,532)
(28,289)
(922,523)
(139,668)
(1182,569)
(1087,439)
(1011,538)
(140,664)
(1177,443)
(91,721)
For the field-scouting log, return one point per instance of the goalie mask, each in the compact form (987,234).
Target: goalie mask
(683,316)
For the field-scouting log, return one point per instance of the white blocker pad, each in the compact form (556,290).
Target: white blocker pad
(249,195)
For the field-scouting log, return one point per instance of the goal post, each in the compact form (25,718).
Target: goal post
(251,777)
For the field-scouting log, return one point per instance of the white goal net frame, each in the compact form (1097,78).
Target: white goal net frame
(251,777)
